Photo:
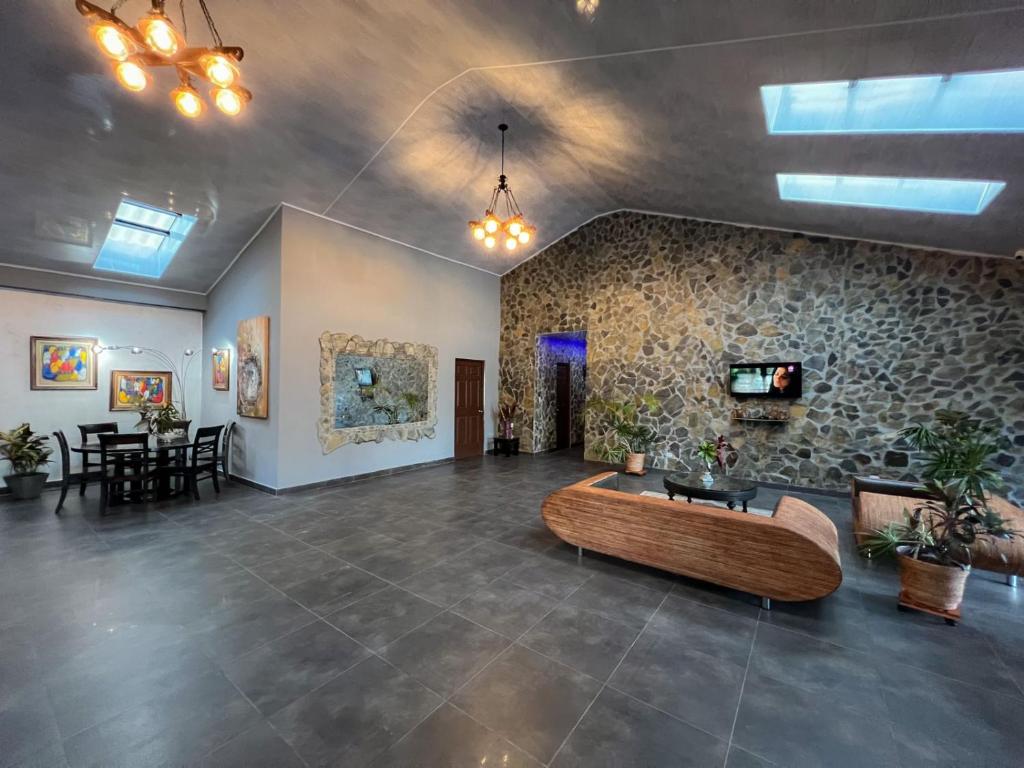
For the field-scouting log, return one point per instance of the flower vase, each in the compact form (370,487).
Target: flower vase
(708,479)
(507,429)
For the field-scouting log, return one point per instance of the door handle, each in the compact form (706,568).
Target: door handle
(480,411)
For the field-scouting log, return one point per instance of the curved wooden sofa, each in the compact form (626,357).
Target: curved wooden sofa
(791,556)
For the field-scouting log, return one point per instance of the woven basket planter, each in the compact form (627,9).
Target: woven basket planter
(635,463)
(938,588)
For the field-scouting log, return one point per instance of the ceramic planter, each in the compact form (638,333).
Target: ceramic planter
(931,587)
(635,463)
(26,486)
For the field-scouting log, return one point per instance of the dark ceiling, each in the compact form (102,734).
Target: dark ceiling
(384,115)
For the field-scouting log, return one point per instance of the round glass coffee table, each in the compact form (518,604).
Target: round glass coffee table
(731,490)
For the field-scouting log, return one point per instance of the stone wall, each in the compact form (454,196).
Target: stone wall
(886,334)
(569,348)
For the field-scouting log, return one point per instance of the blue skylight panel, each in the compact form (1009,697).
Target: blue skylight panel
(965,197)
(972,102)
(142,240)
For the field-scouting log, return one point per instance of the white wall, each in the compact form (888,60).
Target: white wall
(24,314)
(338,279)
(251,287)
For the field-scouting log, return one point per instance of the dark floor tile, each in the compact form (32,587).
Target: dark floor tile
(356,716)
(581,639)
(551,578)
(27,725)
(229,633)
(722,634)
(715,596)
(530,538)
(740,758)
(530,700)
(258,747)
(616,599)
(335,589)
(445,652)
(620,732)
(448,582)
(448,738)
(288,571)
(666,671)
(173,729)
(505,607)
(383,616)
(276,674)
(793,727)
(359,545)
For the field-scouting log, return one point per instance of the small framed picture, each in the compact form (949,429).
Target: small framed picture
(221,366)
(62,362)
(130,390)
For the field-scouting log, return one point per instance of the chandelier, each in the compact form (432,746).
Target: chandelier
(513,229)
(155,42)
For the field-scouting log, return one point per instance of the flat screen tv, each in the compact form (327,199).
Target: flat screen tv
(779,380)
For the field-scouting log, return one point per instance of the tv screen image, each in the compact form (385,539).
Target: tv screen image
(783,380)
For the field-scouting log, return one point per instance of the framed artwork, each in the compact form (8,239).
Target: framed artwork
(252,382)
(130,390)
(221,365)
(62,362)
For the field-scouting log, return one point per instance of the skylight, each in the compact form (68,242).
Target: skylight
(142,239)
(957,196)
(972,102)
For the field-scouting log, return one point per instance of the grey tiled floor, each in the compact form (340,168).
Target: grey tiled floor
(429,619)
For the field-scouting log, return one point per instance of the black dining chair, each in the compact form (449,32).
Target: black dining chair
(90,469)
(65,469)
(205,459)
(124,460)
(225,449)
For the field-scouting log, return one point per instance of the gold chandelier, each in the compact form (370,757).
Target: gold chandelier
(155,42)
(513,229)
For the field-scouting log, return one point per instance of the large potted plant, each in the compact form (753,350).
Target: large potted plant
(26,452)
(933,544)
(160,421)
(624,438)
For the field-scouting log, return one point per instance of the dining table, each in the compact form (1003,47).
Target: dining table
(167,452)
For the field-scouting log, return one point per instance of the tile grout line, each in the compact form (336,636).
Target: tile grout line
(609,677)
(743,685)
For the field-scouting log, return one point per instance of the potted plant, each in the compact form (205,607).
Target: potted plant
(624,438)
(159,420)
(933,546)
(26,453)
(718,451)
(508,406)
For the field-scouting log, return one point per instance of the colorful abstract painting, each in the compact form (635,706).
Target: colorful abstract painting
(62,362)
(130,390)
(252,380)
(221,366)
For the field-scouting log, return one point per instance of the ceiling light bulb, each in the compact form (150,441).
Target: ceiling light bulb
(219,69)
(515,227)
(187,100)
(511,243)
(491,225)
(112,41)
(228,101)
(489,241)
(131,76)
(478,231)
(160,34)
(524,236)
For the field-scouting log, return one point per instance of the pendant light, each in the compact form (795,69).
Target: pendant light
(503,222)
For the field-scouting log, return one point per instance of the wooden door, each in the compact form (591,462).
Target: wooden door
(563,406)
(469,408)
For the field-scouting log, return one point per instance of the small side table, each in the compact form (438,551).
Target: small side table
(506,445)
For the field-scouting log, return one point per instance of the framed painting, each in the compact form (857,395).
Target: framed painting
(252,375)
(62,362)
(221,366)
(130,390)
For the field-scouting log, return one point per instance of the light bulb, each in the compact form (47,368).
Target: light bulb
(160,34)
(131,76)
(478,232)
(112,41)
(187,100)
(491,225)
(524,236)
(515,227)
(489,241)
(219,69)
(228,101)
(511,243)
(136,351)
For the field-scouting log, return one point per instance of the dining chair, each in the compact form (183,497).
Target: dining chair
(90,469)
(124,459)
(205,459)
(225,449)
(65,469)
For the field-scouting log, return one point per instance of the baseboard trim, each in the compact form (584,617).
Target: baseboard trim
(339,481)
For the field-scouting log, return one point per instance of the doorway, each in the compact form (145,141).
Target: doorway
(561,390)
(563,406)
(469,408)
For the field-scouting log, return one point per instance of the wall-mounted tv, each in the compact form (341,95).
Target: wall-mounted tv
(781,380)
